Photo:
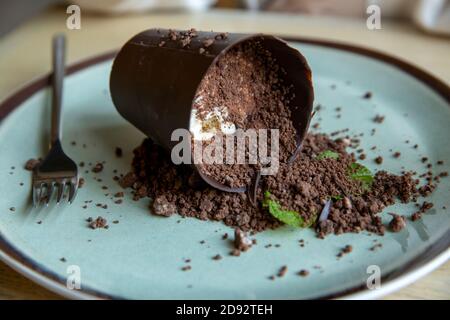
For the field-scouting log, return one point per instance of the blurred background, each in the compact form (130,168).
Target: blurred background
(431,15)
(415,30)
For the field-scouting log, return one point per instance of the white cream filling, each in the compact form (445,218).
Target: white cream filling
(213,123)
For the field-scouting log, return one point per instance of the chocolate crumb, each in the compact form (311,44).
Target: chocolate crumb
(376,246)
(208,42)
(185,41)
(378,119)
(172,35)
(367,95)
(379,160)
(186,268)
(162,207)
(81,182)
(235,252)
(12,209)
(426,206)
(31,164)
(241,240)
(416,216)
(118,152)
(217,257)
(100,222)
(98,168)
(221,36)
(128,180)
(282,272)
(397,223)
(397,154)
(303,273)
(347,249)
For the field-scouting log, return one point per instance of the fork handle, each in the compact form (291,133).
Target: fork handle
(58,59)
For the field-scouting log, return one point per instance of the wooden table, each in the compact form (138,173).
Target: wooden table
(25,54)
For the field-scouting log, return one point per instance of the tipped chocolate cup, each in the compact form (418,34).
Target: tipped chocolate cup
(155,77)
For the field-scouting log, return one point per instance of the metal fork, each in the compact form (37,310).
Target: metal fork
(57,170)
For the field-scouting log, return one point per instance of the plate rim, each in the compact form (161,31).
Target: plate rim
(423,263)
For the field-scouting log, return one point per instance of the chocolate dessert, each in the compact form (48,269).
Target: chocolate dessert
(232,82)
(165,80)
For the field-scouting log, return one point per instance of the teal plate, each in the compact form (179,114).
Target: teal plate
(141,256)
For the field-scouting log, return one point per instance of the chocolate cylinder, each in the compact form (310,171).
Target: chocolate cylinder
(155,76)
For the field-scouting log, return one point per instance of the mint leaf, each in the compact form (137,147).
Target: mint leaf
(361,173)
(291,218)
(336,198)
(328,154)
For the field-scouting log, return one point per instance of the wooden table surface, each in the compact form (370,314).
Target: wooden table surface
(25,54)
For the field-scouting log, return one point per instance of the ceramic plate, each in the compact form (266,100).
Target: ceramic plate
(141,256)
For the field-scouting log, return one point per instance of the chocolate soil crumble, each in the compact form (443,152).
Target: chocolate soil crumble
(240,85)
(245,88)
(320,174)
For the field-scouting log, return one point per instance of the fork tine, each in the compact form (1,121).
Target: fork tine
(43,193)
(73,187)
(37,189)
(50,187)
(61,187)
